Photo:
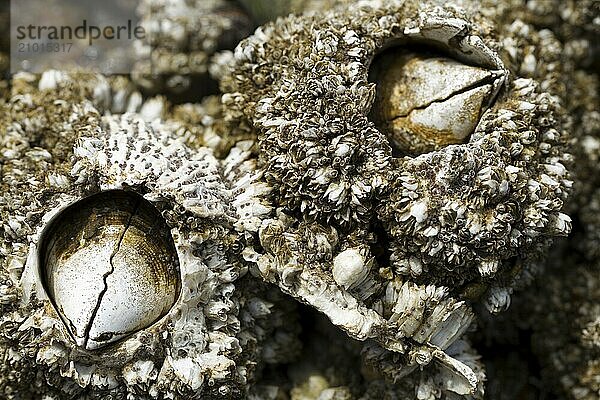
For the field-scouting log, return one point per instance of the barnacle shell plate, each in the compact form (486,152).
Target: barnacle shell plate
(110,267)
(426,101)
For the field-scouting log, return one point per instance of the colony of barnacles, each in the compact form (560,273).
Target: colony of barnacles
(395,224)
(345,219)
(183,38)
(115,192)
(558,313)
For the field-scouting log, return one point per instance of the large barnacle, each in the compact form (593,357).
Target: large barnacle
(395,218)
(110,267)
(121,271)
(425,102)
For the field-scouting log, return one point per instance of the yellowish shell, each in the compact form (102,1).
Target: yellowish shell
(425,102)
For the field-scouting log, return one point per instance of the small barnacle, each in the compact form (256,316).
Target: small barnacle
(349,268)
(110,267)
(426,101)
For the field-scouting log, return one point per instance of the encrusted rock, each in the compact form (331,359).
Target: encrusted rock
(69,176)
(401,167)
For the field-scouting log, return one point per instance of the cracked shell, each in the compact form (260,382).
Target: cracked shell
(425,101)
(110,267)
(59,150)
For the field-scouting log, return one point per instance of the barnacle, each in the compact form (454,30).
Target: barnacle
(93,181)
(398,167)
(109,265)
(394,247)
(425,102)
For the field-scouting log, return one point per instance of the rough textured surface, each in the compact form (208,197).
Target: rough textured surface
(461,224)
(287,189)
(201,346)
(547,335)
(182,39)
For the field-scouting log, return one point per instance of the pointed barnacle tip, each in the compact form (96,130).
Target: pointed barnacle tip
(109,266)
(425,100)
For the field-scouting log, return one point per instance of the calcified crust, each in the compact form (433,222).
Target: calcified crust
(448,227)
(210,341)
(349,158)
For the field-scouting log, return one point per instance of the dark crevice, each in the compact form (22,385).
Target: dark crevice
(380,248)
(513,370)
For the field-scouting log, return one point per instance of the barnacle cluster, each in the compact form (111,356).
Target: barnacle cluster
(90,171)
(183,37)
(454,225)
(344,217)
(548,333)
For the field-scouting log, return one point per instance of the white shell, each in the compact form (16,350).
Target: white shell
(349,267)
(110,266)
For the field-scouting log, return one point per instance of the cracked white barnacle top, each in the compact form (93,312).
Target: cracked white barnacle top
(110,267)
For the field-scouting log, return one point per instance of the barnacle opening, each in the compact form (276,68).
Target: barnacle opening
(109,266)
(427,99)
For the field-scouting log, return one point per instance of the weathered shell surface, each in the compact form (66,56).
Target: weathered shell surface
(444,229)
(110,267)
(426,102)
